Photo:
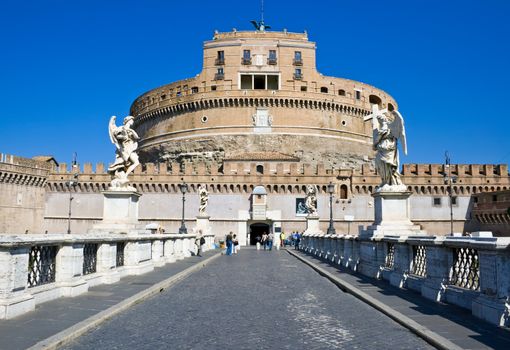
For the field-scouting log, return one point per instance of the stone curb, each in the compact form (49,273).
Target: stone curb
(66,336)
(421,331)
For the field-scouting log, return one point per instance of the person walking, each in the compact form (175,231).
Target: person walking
(270,238)
(298,240)
(229,243)
(264,240)
(282,240)
(199,241)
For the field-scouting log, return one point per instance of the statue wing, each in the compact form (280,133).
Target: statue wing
(111,130)
(398,130)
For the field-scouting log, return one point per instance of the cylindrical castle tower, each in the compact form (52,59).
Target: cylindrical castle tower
(259,92)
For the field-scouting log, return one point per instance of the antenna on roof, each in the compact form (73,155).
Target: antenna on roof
(260,26)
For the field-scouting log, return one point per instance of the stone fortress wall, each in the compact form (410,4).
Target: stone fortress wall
(213,113)
(231,185)
(22,194)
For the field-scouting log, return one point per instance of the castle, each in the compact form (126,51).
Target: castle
(258,124)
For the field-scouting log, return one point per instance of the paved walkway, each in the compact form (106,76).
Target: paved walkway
(451,322)
(255,300)
(58,315)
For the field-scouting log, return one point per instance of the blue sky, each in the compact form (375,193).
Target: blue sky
(67,66)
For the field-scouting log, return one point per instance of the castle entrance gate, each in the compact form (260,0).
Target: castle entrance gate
(256,230)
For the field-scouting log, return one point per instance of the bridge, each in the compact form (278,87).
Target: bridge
(106,293)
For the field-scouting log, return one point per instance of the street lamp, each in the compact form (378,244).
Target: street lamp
(71,183)
(331,190)
(184,188)
(449,180)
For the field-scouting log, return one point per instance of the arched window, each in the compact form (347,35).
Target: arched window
(324,90)
(375,100)
(260,169)
(341,92)
(343,192)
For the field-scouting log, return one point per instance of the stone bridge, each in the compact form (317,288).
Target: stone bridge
(152,291)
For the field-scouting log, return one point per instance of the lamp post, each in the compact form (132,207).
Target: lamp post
(449,180)
(71,183)
(331,190)
(184,188)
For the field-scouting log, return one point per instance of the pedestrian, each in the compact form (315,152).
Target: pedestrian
(264,240)
(298,239)
(257,240)
(282,240)
(236,244)
(270,239)
(229,243)
(199,242)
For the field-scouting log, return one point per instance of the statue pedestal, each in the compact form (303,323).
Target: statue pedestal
(312,225)
(392,216)
(120,212)
(203,224)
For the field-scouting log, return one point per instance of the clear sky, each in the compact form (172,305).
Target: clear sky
(67,66)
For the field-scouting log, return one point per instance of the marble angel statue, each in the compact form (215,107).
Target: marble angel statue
(311,200)
(388,130)
(126,160)
(204,199)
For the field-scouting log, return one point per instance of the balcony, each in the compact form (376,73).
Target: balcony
(219,76)
(298,76)
(219,61)
(246,61)
(297,62)
(272,61)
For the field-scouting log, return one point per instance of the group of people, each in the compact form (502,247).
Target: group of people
(267,241)
(232,244)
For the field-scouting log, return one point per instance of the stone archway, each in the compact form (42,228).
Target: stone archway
(256,230)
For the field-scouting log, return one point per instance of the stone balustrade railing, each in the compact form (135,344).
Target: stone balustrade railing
(471,272)
(39,268)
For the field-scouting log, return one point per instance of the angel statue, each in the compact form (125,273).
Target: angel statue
(388,129)
(311,200)
(204,199)
(126,160)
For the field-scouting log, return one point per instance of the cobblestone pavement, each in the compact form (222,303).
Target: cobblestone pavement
(254,300)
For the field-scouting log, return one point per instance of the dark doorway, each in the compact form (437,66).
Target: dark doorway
(256,230)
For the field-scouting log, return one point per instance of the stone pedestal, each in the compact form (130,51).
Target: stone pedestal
(120,212)
(203,224)
(392,216)
(312,225)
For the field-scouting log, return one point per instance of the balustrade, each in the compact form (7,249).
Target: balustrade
(471,272)
(38,268)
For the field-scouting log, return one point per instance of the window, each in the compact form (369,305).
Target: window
(494,197)
(357,94)
(213,87)
(436,202)
(303,88)
(297,58)
(454,201)
(219,74)
(246,81)
(343,192)
(341,92)
(271,59)
(324,90)
(260,169)
(194,90)
(297,74)
(272,82)
(220,59)
(259,82)
(246,57)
